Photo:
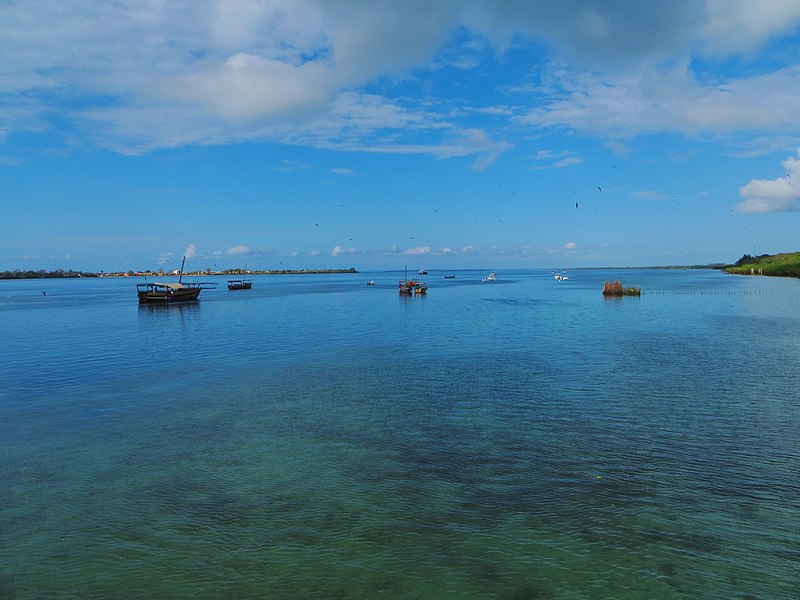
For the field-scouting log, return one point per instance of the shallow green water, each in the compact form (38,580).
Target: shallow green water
(320,439)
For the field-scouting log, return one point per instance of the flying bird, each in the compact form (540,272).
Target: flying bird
(576,206)
(599,188)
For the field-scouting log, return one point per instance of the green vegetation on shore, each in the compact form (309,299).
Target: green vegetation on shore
(786,264)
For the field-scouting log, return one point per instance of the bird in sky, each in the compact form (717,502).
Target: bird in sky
(599,188)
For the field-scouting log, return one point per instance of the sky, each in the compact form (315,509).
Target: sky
(379,134)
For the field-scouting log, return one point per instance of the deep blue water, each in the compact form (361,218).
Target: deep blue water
(317,438)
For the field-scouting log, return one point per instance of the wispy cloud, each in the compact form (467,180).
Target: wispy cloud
(556,160)
(238,250)
(651,195)
(418,251)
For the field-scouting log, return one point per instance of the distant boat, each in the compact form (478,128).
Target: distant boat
(422,272)
(560,277)
(167,293)
(449,276)
(371,282)
(240,284)
(491,277)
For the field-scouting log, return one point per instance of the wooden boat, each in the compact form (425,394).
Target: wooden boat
(167,293)
(240,284)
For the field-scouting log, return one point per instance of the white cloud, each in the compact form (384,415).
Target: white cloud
(418,251)
(341,171)
(339,250)
(238,250)
(570,246)
(135,76)
(775,195)
(191,251)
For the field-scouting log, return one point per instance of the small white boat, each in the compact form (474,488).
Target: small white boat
(371,282)
(491,277)
(561,277)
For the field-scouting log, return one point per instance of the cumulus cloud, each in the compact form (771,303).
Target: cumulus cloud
(774,195)
(135,76)
(570,246)
(191,251)
(418,251)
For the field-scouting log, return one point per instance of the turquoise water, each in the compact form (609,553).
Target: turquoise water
(317,438)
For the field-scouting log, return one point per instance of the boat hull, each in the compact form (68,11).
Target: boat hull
(162,293)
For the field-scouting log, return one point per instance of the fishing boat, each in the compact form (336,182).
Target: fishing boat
(409,287)
(167,293)
(422,272)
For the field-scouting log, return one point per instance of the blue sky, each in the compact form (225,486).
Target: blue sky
(377,134)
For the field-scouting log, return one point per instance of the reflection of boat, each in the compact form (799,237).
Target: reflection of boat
(240,284)
(491,277)
(170,292)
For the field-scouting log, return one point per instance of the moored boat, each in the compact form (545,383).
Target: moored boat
(167,293)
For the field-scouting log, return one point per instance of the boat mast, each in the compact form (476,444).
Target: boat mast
(180,278)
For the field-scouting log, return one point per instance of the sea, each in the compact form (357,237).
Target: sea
(318,438)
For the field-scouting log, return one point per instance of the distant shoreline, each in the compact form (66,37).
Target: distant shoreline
(58,274)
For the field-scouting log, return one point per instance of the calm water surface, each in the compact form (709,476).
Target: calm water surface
(317,438)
